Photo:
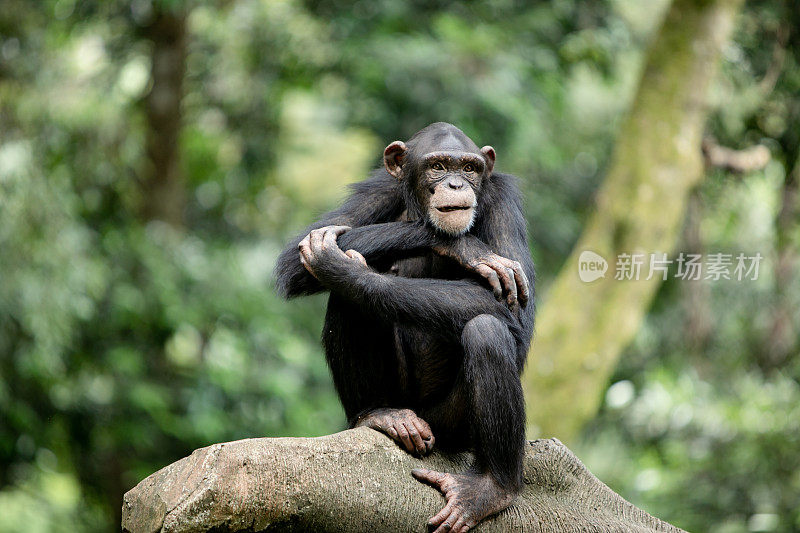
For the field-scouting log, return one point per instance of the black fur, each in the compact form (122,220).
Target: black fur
(419,331)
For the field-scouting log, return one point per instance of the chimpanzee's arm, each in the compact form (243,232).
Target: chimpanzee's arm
(388,241)
(379,199)
(436,305)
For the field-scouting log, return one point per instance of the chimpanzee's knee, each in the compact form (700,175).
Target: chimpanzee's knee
(488,341)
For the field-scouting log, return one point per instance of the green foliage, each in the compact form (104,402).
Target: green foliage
(125,344)
(134,345)
(702,428)
(705,436)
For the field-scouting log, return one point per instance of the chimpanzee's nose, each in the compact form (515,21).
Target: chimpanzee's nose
(455,184)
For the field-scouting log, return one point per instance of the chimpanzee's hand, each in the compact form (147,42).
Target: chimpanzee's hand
(319,250)
(504,275)
(497,269)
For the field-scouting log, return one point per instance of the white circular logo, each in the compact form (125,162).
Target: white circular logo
(591,266)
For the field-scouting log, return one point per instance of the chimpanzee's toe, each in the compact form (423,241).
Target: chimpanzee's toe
(470,498)
(402,425)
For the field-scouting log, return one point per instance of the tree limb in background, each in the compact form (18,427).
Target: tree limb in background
(583,327)
(738,161)
(163,191)
(359,480)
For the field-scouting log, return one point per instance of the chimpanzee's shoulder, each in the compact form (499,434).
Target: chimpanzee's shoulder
(378,180)
(506,180)
(504,188)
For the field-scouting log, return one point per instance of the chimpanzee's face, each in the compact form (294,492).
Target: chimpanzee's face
(444,171)
(451,181)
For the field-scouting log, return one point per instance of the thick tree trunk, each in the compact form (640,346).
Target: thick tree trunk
(359,480)
(163,187)
(583,327)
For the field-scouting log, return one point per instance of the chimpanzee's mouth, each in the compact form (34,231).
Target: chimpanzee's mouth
(450,208)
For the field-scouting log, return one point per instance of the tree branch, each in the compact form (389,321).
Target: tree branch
(359,480)
(738,161)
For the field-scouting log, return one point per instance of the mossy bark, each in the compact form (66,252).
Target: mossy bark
(359,480)
(583,327)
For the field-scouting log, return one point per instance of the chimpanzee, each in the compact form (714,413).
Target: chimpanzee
(416,345)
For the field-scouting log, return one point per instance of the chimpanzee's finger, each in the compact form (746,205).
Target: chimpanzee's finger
(402,433)
(431,477)
(329,241)
(429,443)
(522,281)
(416,438)
(316,237)
(304,256)
(491,276)
(338,230)
(425,432)
(512,289)
(334,232)
(305,250)
(507,279)
(460,526)
(305,264)
(352,254)
(441,518)
(447,527)
(304,241)
(522,287)
(423,428)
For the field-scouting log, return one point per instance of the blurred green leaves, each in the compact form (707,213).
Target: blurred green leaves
(125,344)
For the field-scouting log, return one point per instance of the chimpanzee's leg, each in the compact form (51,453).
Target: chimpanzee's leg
(360,353)
(370,376)
(496,399)
(496,411)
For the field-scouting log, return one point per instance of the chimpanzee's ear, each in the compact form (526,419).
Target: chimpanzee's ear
(488,153)
(393,158)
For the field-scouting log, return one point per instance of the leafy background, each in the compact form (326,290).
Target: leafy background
(127,342)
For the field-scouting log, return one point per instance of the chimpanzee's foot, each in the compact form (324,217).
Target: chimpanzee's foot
(470,499)
(404,426)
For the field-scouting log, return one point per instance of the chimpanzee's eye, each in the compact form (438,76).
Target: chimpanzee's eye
(469,167)
(437,166)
